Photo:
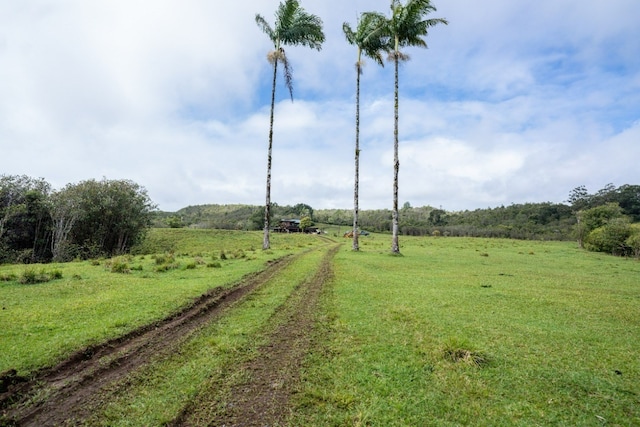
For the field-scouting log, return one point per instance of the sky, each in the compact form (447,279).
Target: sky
(513,102)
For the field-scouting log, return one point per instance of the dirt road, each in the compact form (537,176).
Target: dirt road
(72,389)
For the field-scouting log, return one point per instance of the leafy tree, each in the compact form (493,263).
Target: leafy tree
(24,219)
(65,211)
(591,219)
(633,241)
(174,221)
(114,216)
(370,40)
(293,26)
(305,223)
(611,238)
(628,197)
(406,27)
(579,198)
(302,209)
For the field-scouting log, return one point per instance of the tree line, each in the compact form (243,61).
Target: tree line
(83,220)
(606,220)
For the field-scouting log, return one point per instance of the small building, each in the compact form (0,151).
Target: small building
(288,226)
(293,226)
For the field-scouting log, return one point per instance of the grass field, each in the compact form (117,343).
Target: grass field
(41,324)
(456,331)
(477,332)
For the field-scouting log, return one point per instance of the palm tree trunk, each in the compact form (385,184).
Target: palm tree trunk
(356,247)
(267,207)
(395,247)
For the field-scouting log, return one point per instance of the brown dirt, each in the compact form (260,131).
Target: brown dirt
(67,393)
(271,377)
(73,386)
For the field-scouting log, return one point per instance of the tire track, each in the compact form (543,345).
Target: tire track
(272,377)
(70,386)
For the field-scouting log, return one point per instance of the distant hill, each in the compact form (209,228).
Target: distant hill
(521,221)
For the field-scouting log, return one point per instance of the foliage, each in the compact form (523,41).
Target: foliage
(30,276)
(305,222)
(626,196)
(81,220)
(115,216)
(613,237)
(633,241)
(25,223)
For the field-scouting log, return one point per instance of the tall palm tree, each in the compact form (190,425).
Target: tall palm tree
(407,27)
(370,40)
(293,27)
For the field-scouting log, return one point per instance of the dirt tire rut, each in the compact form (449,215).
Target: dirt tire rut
(272,376)
(71,386)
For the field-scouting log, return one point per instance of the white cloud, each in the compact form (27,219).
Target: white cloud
(514,101)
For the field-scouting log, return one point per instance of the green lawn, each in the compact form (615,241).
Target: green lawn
(41,324)
(477,332)
(456,331)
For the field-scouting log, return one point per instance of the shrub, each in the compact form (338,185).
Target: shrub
(30,276)
(611,237)
(633,241)
(10,277)
(119,265)
(168,266)
(167,258)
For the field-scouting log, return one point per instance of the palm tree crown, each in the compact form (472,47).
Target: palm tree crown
(293,27)
(370,37)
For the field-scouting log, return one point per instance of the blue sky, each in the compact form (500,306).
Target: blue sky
(514,101)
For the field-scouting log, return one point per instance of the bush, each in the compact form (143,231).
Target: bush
(633,241)
(610,238)
(31,277)
(8,277)
(167,258)
(119,265)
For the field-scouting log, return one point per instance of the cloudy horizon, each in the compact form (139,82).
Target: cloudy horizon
(513,102)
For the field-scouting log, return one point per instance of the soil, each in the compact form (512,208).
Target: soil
(75,386)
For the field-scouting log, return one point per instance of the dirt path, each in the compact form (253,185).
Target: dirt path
(271,377)
(70,387)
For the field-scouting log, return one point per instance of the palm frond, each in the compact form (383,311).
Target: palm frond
(371,37)
(294,26)
(265,27)
(408,24)
(288,73)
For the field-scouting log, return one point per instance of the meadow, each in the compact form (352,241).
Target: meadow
(456,331)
